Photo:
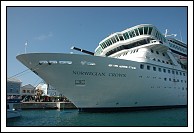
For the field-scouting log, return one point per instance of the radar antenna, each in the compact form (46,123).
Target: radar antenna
(166,34)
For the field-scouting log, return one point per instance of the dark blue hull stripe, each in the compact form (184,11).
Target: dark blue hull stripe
(122,109)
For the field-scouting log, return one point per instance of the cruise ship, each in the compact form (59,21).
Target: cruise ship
(138,68)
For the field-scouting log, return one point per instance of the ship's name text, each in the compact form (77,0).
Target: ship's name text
(99,74)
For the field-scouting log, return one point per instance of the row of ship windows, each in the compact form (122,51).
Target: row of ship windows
(136,50)
(178,43)
(177,47)
(129,46)
(130,52)
(114,65)
(175,42)
(125,36)
(98,51)
(66,62)
(164,70)
(165,79)
(121,66)
(170,87)
(84,63)
(159,59)
(133,33)
(132,45)
(162,61)
(157,52)
(54,62)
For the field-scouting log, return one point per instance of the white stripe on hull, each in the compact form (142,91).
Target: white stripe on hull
(107,82)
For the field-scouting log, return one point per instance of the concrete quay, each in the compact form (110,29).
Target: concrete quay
(45,105)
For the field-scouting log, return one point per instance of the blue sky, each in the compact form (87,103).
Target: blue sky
(56,29)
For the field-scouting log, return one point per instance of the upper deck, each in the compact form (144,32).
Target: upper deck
(133,37)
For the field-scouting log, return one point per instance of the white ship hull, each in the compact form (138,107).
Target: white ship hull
(93,82)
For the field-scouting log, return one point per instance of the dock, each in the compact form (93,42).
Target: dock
(45,105)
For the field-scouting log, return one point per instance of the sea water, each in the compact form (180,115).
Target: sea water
(72,117)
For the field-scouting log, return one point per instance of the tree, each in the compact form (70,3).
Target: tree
(39,93)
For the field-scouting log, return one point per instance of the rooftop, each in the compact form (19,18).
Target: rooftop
(13,80)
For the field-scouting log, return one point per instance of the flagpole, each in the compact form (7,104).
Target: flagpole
(25,46)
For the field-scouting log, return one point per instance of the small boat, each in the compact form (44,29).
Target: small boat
(11,111)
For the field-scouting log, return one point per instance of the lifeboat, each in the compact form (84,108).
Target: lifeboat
(183,60)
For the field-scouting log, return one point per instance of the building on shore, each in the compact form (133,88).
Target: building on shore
(48,90)
(13,88)
(50,93)
(28,90)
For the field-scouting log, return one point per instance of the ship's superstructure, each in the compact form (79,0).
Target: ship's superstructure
(133,69)
(142,37)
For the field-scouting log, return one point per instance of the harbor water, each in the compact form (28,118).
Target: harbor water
(72,117)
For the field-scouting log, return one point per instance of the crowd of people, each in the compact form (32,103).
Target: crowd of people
(35,98)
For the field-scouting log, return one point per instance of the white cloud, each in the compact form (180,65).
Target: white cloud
(44,36)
